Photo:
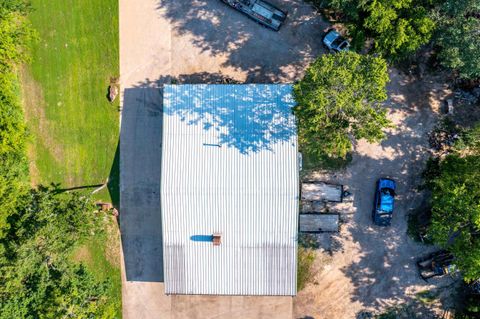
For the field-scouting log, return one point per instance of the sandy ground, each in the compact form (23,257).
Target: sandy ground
(203,41)
(373,268)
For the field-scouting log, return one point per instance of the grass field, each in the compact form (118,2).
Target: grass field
(73,128)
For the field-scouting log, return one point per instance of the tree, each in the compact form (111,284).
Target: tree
(456,211)
(457,8)
(458,37)
(398,27)
(340,98)
(38,278)
(15,35)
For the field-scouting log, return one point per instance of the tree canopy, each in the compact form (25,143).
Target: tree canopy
(340,98)
(397,27)
(38,278)
(458,37)
(455,186)
(456,211)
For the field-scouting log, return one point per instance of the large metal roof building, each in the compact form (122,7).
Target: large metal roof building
(229,190)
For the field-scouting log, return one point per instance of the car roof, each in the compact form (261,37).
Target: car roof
(386,183)
(332,35)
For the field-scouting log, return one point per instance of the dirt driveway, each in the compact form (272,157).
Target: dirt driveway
(374,268)
(209,40)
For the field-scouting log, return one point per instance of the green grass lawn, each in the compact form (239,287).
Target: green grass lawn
(73,128)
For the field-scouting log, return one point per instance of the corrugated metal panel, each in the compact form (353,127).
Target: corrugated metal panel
(229,165)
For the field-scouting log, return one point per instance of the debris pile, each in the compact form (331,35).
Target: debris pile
(466,97)
(442,138)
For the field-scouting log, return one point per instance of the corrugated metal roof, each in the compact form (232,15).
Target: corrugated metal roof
(229,165)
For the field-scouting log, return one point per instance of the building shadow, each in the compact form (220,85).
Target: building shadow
(113,184)
(139,161)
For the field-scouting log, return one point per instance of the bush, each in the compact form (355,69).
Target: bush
(456,211)
(38,278)
(457,38)
(15,36)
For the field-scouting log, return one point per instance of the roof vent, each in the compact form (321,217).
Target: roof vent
(217,239)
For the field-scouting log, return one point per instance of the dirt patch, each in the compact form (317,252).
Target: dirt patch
(112,245)
(35,176)
(83,255)
(375,268)
(34,108)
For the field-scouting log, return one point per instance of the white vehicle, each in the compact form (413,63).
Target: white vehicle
(334,41)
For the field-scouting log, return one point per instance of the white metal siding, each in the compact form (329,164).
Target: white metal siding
(229,165)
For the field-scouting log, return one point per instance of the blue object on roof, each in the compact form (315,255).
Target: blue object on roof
(202,238)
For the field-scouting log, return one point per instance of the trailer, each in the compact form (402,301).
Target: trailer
(439,263)
(322,192)
(319,223)
(261,11)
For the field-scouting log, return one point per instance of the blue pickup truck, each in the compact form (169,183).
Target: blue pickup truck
(261,11)
(383,203)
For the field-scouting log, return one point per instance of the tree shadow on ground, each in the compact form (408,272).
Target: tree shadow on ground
(380,270)
(386,273)
(217,30)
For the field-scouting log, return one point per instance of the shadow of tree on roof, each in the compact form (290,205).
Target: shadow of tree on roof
(250,118)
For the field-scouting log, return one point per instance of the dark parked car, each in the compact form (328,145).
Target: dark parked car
(334,41)
(384,200)
(261,11)
(436,264)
